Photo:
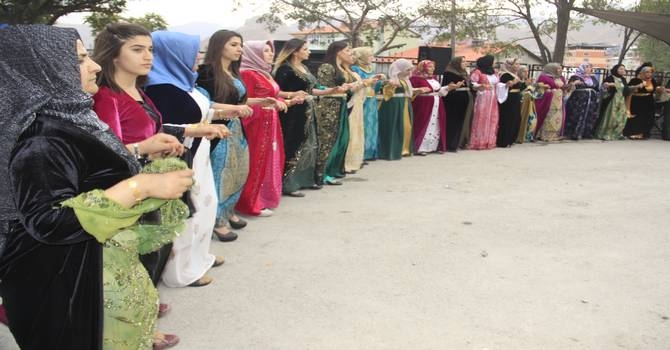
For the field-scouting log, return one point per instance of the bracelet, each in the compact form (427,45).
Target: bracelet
(132,184)
(136,150)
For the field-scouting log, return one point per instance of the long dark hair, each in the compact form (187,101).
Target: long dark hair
(331,58)
(224,88)
(286,53)
(107,48)
(454,66)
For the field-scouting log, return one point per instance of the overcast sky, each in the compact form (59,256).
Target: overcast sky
(178,12)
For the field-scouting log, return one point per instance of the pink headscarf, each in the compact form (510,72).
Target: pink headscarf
(252,56)
(422,69)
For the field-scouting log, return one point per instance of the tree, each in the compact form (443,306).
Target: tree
(48,11)
(650,49)
(351,18)
(470,20)
(150,21)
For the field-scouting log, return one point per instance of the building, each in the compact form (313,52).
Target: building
(596,54)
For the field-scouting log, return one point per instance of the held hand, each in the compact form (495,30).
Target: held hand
(161,145)
(281,105)
(167,185)
(340,89)
(299,94)
(425,90)
(225,132)
(460,83)
(295,101)
(454,86)
(243,111)
(210,131)
(379,77)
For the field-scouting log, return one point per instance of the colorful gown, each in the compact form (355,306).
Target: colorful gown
(581,109)
(371,117)
(332,126)
(613,111)
(528,115)
(299,128)
(263,188)
(549,109)
(355,152)
(395,122)
(485,118)
(430,125)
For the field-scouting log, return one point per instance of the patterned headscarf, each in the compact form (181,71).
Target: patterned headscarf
(553,69)
(581,72)
(174,58)
(252,56)
(422,69)
(645,65)
(39,74)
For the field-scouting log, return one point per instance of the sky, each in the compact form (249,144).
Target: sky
(179,12)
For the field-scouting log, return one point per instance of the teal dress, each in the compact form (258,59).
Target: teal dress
(370,116)
(332,127)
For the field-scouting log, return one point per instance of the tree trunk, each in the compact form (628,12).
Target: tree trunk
(563,23)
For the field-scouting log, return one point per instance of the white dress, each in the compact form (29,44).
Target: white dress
(190,257)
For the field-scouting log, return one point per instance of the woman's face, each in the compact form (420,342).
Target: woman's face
(369,59)
(87,69)
(464,64)
(647,73)
(136,56)
(302,53)
(232,50)
(268,54)
(405,74)
(430,69)
(516,66)
(345,55)
(621,70)
(588,70)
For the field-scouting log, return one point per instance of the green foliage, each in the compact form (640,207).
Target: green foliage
(48,11)
(150,21)
(650,49)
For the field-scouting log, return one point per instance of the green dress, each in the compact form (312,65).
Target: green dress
(614,114)
(395,123)
(130,298)
(332,126)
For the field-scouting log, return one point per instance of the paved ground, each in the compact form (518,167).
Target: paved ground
(561,246)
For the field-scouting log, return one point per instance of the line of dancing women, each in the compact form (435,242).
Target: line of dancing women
(118,169)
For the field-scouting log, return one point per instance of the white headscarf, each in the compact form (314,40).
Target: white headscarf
(399,66)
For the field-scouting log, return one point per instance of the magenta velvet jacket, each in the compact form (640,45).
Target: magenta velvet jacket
(422,107)
(125,116)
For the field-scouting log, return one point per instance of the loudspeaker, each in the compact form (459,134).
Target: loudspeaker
(440,55)
(279,45)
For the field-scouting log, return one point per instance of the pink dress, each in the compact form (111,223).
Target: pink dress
(263,188)
(485,118)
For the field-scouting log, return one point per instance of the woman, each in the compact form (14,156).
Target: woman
(355,152)
(53,127)
(485,112)
(363,57)
(550,107)
(528,114)
(642,103)
(171,86)
(613,110)
(219,76)
(395,112)
(458,104)
(263,188)
(509,99)
(581,109)
(298,122)
(429,129)
(332,125)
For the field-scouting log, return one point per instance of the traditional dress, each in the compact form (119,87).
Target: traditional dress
(370,115)
(430,126)
(509,110)
(642,108)
(528,122)
(332,126)
(230,156)
(485,118)
(550,109)
(582,107)
(613,111)
(395,113)
(458,107)
(171,86)
(299,129)
(263,188)
(52,265)
(355,152)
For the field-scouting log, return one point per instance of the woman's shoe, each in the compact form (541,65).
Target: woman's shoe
(165,341)
(201,282)
(163,309)
(218,261)
(296,194)
(265,212)
(225,237)
(333,182)
(314,187)
(239,224)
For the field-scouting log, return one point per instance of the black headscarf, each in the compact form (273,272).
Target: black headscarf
(640,68)
(485,64)
(614,73)
(39,74)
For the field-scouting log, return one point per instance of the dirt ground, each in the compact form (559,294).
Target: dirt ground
(541,246)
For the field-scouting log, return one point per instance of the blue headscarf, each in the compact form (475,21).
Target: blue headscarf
(174,58)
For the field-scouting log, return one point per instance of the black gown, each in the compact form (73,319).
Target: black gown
(510,113)
(456,104)
(176,107)
(51,269)
(642,108)
(581,109)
